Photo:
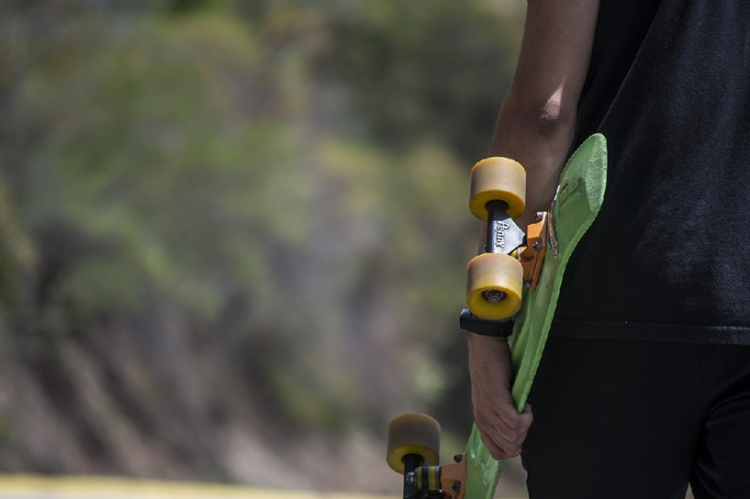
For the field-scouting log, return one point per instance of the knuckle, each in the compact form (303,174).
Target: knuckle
(481,421)
(511,422)
(515,449)
(519,438)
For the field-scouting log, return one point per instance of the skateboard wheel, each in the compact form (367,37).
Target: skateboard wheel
(413,434)
(497,179)
(494,286)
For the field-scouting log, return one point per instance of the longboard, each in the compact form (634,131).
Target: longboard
(497,291)
(579,198)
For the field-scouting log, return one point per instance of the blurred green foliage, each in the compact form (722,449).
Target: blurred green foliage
(288,176)
(417,71)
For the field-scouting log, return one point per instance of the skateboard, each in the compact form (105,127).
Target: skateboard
(518,275)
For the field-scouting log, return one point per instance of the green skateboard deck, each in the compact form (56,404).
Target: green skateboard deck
(577,203)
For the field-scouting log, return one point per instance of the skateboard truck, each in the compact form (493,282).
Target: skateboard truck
(436,482)
(414,451)
(504,236)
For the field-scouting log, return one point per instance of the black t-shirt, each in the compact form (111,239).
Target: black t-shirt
(669,255)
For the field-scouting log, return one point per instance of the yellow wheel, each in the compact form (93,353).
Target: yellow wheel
(413,434)
(494,284)
(497,179)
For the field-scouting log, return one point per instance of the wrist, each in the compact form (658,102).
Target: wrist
(481,341)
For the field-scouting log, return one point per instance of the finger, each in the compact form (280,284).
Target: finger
(508,439)
(508,442)
(510,423)
(496,451)
(513,420)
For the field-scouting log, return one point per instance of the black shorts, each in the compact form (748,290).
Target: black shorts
(639,419)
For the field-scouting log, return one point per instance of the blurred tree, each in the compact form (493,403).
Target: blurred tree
(226,216)
(441,66)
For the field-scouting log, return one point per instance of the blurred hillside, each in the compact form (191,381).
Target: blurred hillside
(233,233)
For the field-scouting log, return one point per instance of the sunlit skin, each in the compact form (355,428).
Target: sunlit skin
(535,127)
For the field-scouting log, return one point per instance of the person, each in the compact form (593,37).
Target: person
(644,385)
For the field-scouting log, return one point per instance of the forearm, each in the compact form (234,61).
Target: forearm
(538,137)
(536,123)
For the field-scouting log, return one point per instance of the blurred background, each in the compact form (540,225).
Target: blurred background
(233,233)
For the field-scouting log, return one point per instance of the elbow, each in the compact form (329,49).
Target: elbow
(546,118)
(550,118)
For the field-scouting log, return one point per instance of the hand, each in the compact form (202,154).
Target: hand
(501,427)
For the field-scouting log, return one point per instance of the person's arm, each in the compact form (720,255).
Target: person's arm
(536,123)
(535,127)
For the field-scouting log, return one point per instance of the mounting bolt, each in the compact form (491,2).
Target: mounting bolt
(494,296)
(457,486)
(537,246)
(539,216)
(458,458)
